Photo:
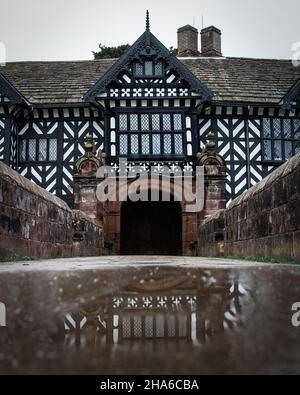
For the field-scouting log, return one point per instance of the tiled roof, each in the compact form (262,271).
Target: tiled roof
(230,79)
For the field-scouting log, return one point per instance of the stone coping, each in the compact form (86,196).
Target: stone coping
(267,182)
(15,178)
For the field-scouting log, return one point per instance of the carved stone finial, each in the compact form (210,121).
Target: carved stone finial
(89,144)
(88,164)
(211,144)
(209,155)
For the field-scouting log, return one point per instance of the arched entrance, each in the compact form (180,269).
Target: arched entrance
(151,228)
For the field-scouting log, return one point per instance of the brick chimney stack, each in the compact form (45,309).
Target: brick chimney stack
(211,41)
(187,41)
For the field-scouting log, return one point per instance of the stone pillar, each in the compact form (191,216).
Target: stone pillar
(85,181)
(215,191)
(215,178)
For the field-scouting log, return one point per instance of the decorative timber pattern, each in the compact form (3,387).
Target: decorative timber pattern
(239,143)
(2,138)
(44,138)
(74,133)
(42,173)
(56,175)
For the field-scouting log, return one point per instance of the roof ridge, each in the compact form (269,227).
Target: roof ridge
(181,58)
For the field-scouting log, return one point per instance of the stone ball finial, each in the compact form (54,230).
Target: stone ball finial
(89,144)
(211,144)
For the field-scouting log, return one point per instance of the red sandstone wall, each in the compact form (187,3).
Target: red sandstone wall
(35,223)
(211,235)
(262,222)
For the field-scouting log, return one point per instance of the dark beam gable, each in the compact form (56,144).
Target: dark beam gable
(292,98)
(148,47)
(9,94)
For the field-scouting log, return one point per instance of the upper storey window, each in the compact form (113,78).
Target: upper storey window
(150,68)
(281,139)
(38,150)
(151,134)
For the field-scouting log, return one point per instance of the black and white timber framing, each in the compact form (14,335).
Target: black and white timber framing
(148,106)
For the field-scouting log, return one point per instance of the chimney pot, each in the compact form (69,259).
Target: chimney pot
(211,41)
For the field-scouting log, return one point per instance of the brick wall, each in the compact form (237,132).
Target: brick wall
(262,222)
(35,223)
(187,41)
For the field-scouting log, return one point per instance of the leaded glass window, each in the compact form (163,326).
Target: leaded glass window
(23,151)
(177,122)
(267,128)
(145,122)
(297,129)
(123,122)
(178,144)
(155,122)
(32,150)
(139,69)
(123,144)
(277,150)
(42,150)
(268,149)
(167,144)
(288,149)
(287,128)
(151,134)
(156,144)
(134,144)
(52,149)
(166,121)
(38,150)
(145,144)
(134,122)
(149,68)
(276,128)
(280,138)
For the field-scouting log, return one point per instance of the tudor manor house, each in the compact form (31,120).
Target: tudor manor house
(59,121)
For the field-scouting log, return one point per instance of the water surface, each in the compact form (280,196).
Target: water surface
(157,316)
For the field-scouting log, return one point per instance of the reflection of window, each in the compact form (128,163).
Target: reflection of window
(281,138)
(149,68)
(151,134)
(38,150)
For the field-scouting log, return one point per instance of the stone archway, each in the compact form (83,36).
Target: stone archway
(151,228)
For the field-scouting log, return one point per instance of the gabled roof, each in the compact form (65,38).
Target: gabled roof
(146,45)
(230,79)
(10,93)
(292,98)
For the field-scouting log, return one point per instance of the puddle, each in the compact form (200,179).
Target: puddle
(151,319)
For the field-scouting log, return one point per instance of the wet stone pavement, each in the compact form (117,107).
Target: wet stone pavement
(148,315)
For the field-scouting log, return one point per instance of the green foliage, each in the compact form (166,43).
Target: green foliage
(18,259)
(116,52)
(110,52)
(174,51)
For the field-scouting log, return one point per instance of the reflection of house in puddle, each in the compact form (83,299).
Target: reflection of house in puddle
(174,308)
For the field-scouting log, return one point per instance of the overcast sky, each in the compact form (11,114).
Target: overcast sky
(72,29)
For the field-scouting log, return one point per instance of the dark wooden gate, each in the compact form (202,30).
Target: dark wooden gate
(151,228)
